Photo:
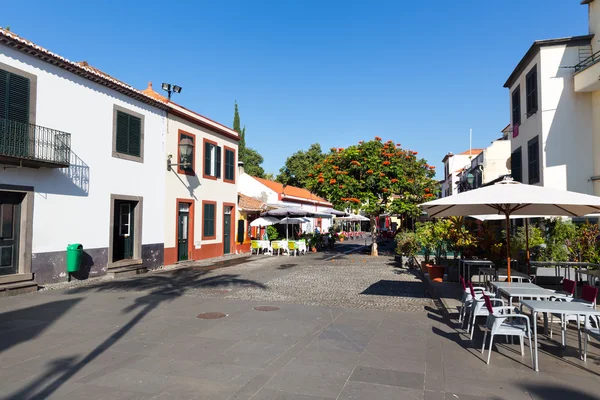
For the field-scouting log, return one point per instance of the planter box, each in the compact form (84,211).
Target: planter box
(436,272)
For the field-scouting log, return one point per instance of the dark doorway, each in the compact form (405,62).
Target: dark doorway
(183,230)
(241,231)
(227,230)
(123,230)
(10,212)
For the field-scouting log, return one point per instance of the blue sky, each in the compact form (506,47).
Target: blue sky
(335,72)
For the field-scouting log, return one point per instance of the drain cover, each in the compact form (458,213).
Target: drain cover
(211,315)
(266,308)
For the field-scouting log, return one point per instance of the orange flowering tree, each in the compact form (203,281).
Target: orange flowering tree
(375,177)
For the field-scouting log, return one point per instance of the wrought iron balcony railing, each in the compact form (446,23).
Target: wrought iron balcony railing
(591,60)
(33,145)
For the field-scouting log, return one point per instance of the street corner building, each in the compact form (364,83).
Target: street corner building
(200,195)
(81,161)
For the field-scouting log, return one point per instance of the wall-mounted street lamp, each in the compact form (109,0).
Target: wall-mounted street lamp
(470,179)
(167,87)
(186,148)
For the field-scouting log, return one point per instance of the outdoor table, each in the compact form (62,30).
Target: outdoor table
(264,245)
(523,289)
(556,307)
(468,263)
(501,273)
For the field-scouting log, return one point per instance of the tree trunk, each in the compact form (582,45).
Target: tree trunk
(374,237)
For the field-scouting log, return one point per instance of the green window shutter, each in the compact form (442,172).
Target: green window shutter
(209,220)
(207,158)
(122,136)
(218,163)
(229,161)
(18,99)
(14,97)
(135,136)
(3,93)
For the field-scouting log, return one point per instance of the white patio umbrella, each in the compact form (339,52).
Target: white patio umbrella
(264,221)
(291,221)
(510,198)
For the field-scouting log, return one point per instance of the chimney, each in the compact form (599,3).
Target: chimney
(241,168)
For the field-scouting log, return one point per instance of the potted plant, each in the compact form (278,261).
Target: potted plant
(342,236)
(407,245)
(313,242)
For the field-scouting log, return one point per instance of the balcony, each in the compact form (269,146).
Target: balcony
(33,146)
(587,74)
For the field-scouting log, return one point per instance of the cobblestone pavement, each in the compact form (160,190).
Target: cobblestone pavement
(355,281)
(327,279)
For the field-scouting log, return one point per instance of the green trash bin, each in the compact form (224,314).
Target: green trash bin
(74,253)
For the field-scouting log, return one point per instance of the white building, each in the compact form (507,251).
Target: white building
(201,189)
(551,123)
(275,194)
(587,85)
(491,164)
(453,165)
(82,161)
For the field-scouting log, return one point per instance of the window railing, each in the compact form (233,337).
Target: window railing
(34,142)
(593,59)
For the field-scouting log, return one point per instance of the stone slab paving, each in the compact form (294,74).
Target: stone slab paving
(344,329)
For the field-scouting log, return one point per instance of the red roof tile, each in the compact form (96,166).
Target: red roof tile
(248,203)
(293,191)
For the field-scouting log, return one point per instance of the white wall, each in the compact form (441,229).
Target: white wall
(455,163)
(495,160)
(253,188)
(563,122)
(66,208)
(195,187)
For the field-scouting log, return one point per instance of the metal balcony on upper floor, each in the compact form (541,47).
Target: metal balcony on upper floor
(33,146)
(587,74)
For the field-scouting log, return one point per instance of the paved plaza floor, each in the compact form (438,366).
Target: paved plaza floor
(294,328)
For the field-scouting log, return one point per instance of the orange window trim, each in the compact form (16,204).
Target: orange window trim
(190,225)
(204,141)
(232,240)
(225,148)
(204,237)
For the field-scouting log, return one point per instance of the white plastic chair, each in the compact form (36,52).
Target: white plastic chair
(467,298)
(501,321)
(301,246)
(592,328)
(588,297)
(292,248)
(478,309)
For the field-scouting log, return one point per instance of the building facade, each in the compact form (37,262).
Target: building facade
(200,194)
(491,164)
(275,195)
(82,161)
(454,164)
(587,85)
(551,122)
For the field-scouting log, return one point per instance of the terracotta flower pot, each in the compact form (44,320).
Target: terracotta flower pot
(314,249)
(436,272)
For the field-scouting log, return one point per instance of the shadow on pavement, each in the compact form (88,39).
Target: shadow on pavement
(396,289)
(164,287)
(551,392)
(21,325)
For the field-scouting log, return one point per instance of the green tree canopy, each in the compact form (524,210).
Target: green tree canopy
(298,165)
(374,177)
(251,158)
